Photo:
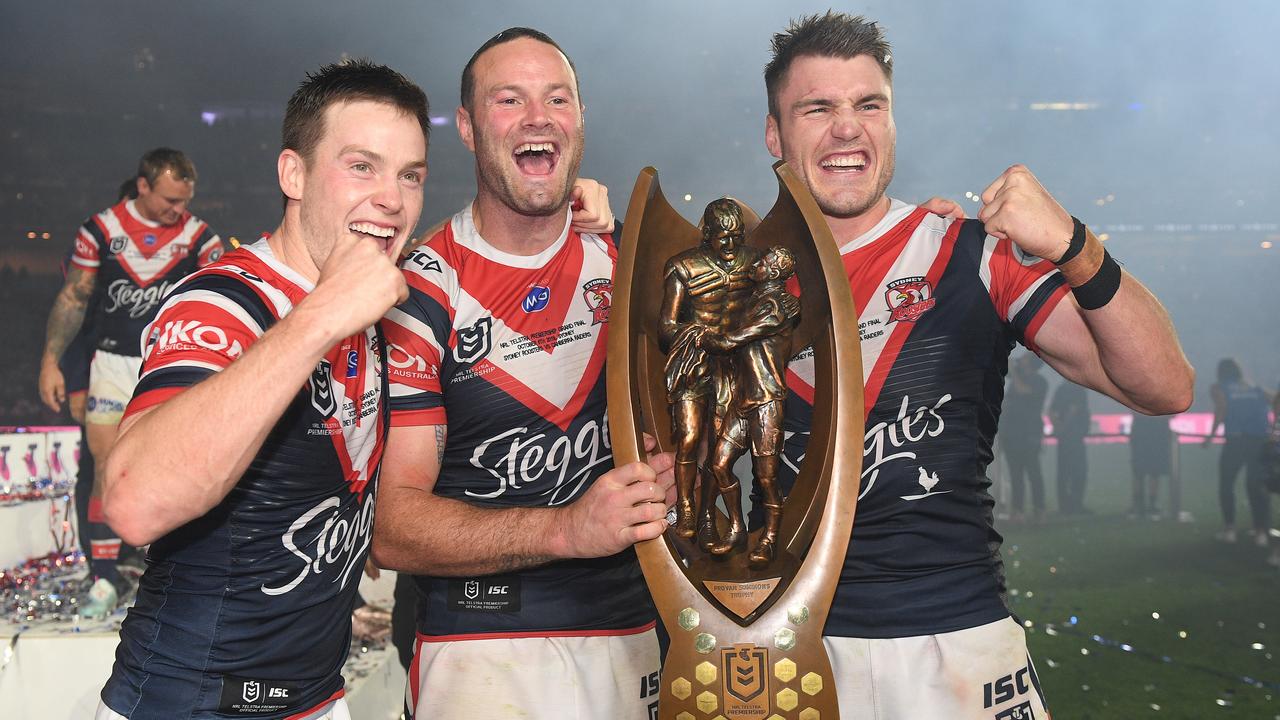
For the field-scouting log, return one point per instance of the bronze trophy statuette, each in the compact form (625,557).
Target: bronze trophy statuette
(700,365)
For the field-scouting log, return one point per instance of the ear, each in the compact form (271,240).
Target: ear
(462,119)
(771,139)
(144,187)
(292,172)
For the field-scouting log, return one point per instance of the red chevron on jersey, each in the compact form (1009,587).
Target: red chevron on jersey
(519,322)
(137,262)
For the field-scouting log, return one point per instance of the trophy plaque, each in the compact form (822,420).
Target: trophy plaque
(702,322)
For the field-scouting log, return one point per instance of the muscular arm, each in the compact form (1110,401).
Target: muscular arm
(420,532)
(67,314)
(158,479)
(768,318)
(1127,350)
(65,320)
(673,298)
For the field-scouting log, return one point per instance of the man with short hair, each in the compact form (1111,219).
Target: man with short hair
(126,258)
(499,490)
(250,454)
(919,626)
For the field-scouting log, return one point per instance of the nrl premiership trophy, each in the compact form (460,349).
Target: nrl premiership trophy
(704,320)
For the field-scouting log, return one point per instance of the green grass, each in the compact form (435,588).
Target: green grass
(1113,573)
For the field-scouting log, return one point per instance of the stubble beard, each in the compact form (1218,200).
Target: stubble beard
(497,174)
(857,206)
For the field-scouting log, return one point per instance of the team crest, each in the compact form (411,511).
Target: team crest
(474,342)
(118,243)
(598,295)
(909,298)
(322,397)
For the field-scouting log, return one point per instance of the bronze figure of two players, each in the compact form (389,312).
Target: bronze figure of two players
(726,324)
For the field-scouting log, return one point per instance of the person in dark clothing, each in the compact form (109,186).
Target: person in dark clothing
(1021,430)
(1151,455)
(1241,410)
(1069,413)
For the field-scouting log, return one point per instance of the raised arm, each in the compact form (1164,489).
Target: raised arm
(158,479)
(420,532)
(1126,346)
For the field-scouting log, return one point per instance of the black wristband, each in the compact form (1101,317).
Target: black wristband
(1077,242)
(1101,287)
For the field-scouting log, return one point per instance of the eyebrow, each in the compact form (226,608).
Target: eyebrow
(375,157)
(823,102)
(564,87)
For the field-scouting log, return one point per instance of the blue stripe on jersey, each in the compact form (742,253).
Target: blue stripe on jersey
(1028,313)
(95,231)
(237,291)
(176,376)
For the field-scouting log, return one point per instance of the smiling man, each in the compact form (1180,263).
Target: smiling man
(126,259)
(499,489)
(250,454)
(919,627)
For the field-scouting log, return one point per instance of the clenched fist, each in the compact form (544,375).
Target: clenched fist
(358,284)
(1016,206)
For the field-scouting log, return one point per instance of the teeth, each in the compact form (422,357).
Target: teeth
(535,147)
(371,229)
(845,161)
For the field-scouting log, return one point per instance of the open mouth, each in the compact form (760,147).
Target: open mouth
(847,162)
(382,234)
(536,158)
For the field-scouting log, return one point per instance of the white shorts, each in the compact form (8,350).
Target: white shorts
(112,379)
(570,677)
(982,673)
(336,711)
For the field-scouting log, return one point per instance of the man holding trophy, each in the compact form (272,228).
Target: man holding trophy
(919,627)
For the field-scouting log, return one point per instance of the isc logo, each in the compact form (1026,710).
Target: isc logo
(1004,689)
(278,692)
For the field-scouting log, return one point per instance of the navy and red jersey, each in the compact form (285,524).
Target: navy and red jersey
(246,611)
(941,305)
(508,351)
(137,263)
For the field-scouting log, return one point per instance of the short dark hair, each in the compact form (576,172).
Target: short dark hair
(347,81)
(1229,370)
(156,161)
(506,36)
(835,35)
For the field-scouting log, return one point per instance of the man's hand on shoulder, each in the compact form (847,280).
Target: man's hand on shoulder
(590,203)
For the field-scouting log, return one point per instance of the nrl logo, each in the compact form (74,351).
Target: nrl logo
(598,295)
(909,298)
(322,397)
(471,589)
(474,342)
(118,242)
(252,691)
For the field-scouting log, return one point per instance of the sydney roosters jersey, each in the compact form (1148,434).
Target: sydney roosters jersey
(246,611)
(509,351)
(941,306)
(137,262)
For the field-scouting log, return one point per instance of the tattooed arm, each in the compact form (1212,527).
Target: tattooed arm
(65,320)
